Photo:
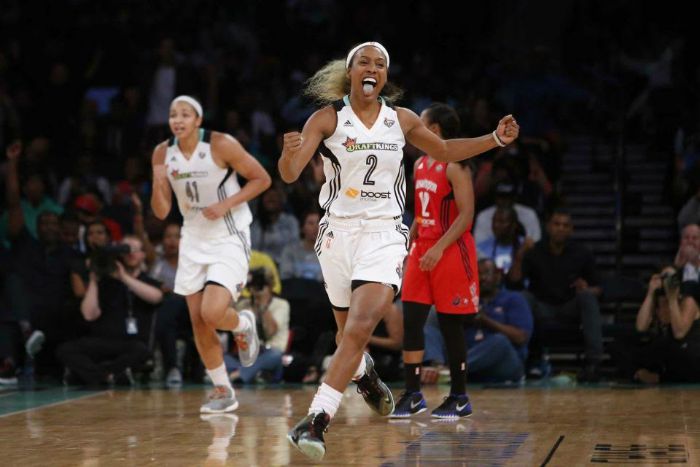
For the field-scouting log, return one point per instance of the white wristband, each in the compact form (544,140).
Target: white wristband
(497,139)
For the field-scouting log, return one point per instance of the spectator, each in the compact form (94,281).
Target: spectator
(683,358)
(42,266)
(497,340)
(272,228)
(96,236)
(563,288)
(70,231)
(688,255)
(272,317)
(505,196)
(119,304)
(84,179)
(299,258)
(89,209)
(35,198)
(173,319)
(640,356)
(507,238)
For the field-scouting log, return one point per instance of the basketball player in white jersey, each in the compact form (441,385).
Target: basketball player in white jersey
(362,242)
(200,167)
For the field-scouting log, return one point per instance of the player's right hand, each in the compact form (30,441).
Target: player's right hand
(292,143)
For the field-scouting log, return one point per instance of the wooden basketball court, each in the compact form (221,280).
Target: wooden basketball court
(510,427)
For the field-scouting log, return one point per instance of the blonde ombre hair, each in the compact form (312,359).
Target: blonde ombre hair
(331,83)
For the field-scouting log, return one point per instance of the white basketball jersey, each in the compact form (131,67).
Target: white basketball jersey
(198,183)
(364,166)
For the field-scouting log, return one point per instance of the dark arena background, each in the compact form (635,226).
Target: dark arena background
(585,353)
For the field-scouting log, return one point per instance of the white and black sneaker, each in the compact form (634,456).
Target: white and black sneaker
(376,394)
(247,341)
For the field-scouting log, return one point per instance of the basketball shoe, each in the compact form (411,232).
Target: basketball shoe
(247,341)
(376,394)
(221,400)
(454,406)
(307,435)
(410,403)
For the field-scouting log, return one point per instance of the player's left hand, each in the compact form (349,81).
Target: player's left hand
(215,211)
(508,129)
(430,259)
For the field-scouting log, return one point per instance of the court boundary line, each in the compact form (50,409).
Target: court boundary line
(552,451)
(53,404)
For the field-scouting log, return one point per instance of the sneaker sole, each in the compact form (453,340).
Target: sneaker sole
(311,450)
(230,408)
(407,414)
(451,416)
(388,407)
(250,359)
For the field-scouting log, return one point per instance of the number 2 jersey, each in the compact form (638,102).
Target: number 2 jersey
(198,183)
(365,177)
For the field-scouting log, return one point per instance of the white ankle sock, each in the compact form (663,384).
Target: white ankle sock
(219,377)
(327,400)
(360,369)
(243,324)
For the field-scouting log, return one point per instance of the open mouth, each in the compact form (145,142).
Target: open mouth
(368,85)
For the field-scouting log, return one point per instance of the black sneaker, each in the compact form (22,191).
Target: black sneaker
(410,403)
(307,435)
(454,406)
(374,391)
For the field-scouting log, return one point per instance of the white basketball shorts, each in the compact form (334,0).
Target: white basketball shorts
(222,260)
(365,250)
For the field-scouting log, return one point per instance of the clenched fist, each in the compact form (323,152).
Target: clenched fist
(292,143)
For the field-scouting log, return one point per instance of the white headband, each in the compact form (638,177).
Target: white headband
(197,106)
(381,48)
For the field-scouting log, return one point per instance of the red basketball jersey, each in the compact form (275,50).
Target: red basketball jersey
(435,207)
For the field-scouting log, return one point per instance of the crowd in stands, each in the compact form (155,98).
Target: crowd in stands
(87,271)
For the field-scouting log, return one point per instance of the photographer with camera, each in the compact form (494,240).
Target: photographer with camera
(666,344)
(272,318)
(119,304)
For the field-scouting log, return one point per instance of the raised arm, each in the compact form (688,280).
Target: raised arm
(457,149)
(299,148)
(232,153)
(161,194)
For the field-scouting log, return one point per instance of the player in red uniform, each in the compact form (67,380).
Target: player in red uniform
(441,269)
